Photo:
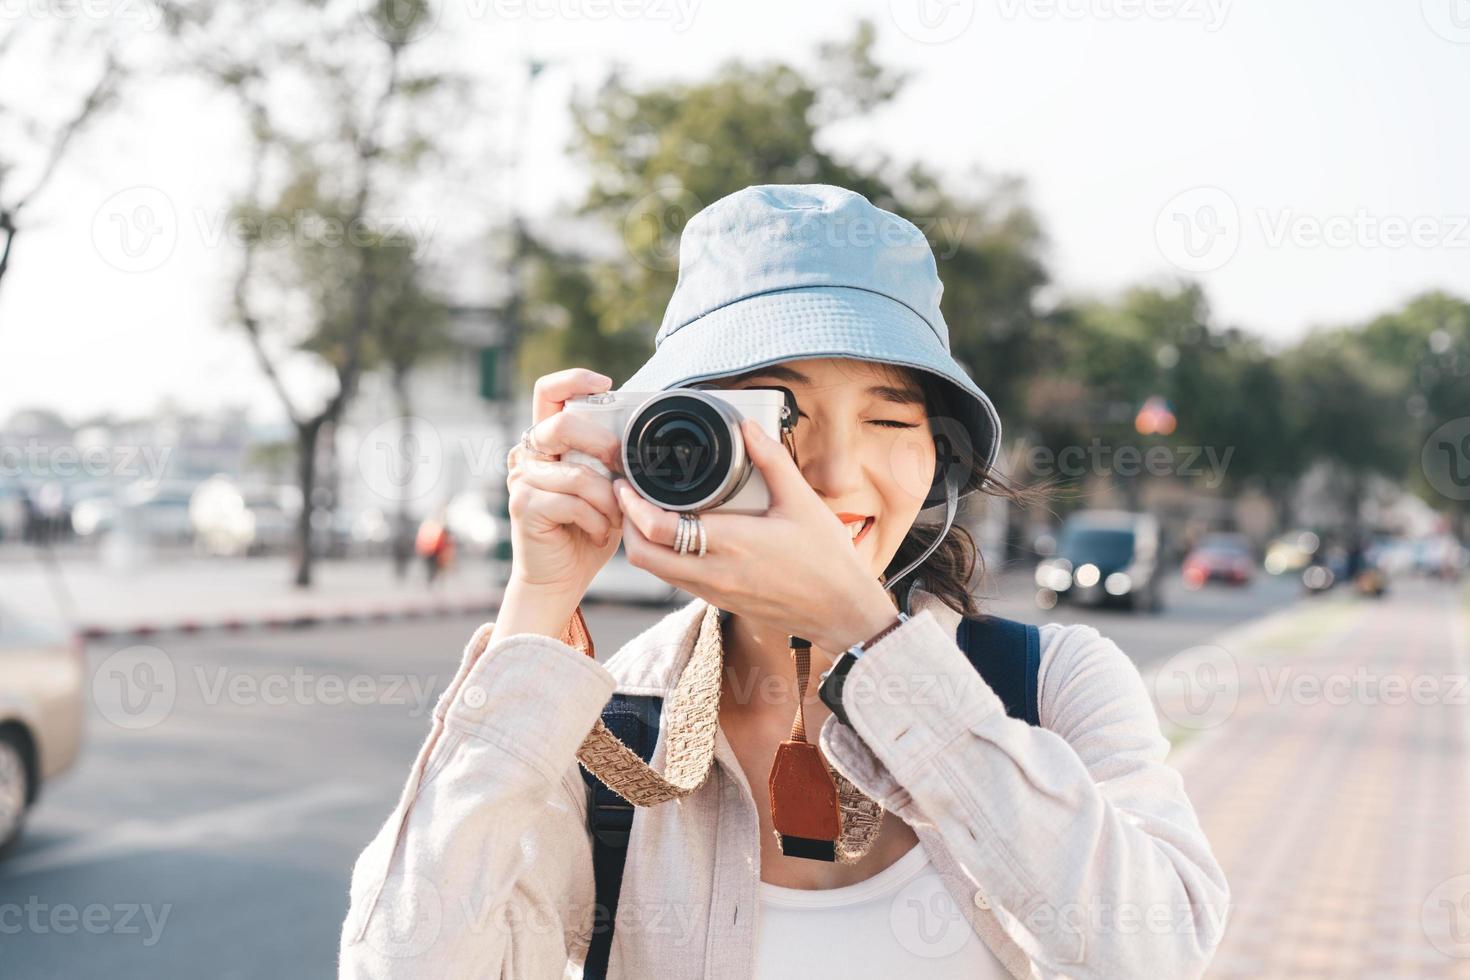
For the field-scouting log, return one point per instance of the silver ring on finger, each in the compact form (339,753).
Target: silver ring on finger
(531,447)
(681,531)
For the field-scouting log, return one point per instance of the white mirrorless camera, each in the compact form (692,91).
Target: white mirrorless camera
(682,448)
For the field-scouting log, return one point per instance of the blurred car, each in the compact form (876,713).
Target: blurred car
(40,714)
(1291,552)
(1219,558)
(13,510)
(1103,557)
(1394,555)
(1441,556)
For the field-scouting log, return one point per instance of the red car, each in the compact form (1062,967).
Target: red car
(1219,558)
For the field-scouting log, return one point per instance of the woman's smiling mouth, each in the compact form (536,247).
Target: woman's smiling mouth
(857,527)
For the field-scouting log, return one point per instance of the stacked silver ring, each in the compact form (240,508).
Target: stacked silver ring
(690,529)
(527,445)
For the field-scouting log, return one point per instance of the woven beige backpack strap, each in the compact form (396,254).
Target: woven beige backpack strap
(691,718)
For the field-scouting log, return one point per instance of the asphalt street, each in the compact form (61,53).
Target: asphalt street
(228,781)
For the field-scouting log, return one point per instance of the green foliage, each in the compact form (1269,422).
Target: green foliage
(1349,407)
(657,153)
(660,153)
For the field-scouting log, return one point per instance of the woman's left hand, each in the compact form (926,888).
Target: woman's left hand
(793,569)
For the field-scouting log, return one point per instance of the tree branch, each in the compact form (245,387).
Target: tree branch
(99,95)
(368,148)
(243,278)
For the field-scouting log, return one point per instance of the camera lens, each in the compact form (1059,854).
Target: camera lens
(683,451)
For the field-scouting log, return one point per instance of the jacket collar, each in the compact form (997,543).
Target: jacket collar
(653,661)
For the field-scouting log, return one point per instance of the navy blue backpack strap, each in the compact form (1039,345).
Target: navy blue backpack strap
(634,719)
(1007,654)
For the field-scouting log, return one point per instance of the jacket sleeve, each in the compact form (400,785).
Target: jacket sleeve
(1078,833)
(484,868)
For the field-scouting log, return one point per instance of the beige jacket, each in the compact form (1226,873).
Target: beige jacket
(1071,849)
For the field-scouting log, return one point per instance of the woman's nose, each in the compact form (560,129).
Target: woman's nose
(831,461)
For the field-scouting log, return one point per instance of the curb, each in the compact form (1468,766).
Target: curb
(305,619)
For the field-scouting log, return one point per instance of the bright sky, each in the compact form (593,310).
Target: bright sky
(1306,160)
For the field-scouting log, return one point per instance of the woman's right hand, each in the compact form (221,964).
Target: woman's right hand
(565,521)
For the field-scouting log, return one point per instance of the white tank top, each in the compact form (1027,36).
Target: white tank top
(901,922)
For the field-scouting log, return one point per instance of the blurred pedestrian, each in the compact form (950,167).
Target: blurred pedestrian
(435,545)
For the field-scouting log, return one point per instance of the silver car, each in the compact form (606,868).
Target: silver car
(41,707)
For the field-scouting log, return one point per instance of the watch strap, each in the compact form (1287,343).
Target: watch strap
(835,679)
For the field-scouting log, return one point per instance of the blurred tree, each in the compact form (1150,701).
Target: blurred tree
(341,122)
(658,154)
(408,327)
(77,64)
(988,247)
(1427,345)
(1349,409)
(1227,398)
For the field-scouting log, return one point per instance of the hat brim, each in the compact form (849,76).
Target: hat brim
(826,321)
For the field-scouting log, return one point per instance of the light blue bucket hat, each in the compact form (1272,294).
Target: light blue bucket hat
(779,272)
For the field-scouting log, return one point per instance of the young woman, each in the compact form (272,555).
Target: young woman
(972,844)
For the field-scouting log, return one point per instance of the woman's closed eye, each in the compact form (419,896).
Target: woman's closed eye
(885,423)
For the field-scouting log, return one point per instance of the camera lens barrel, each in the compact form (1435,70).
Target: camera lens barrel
(683,450)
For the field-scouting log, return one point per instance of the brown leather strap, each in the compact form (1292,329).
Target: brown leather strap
(577,634)
(805,809)
(803,795)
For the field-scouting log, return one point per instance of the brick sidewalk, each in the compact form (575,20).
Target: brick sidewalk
(1330,763)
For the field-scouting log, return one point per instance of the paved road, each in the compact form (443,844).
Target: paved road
(1189,617)
(228,781)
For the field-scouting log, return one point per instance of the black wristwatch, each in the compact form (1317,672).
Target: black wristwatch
(835,676)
